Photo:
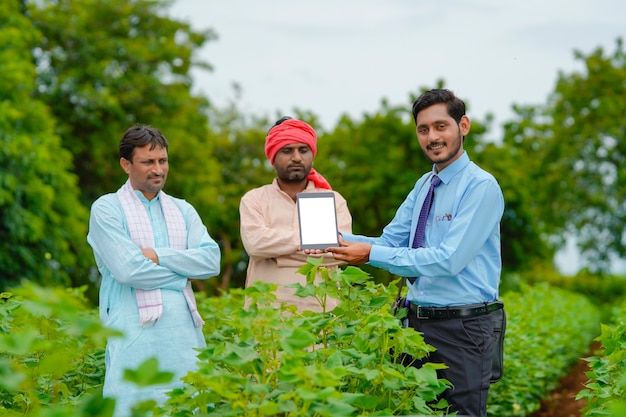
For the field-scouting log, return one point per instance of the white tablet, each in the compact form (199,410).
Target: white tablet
(318,220)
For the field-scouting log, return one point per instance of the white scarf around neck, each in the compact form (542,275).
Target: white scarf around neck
(150,302)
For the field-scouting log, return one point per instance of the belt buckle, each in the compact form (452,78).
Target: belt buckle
(420,317)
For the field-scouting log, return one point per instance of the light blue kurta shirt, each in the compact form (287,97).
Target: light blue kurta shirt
(460,262)
(123,268)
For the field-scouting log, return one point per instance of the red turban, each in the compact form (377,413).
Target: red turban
(289,132)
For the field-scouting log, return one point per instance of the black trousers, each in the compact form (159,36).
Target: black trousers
(466,346)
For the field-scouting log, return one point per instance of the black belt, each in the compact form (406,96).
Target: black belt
(456,312)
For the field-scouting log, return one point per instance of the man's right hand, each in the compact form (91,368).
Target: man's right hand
(354,253)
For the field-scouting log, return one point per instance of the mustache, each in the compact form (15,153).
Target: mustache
(295,166)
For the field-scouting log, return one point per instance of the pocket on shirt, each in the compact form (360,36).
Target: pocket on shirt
(441,225)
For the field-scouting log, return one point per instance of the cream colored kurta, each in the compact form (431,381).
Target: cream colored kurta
(271,237)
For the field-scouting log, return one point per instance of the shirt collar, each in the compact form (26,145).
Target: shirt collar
(143,198)
(454,168)
(309,185)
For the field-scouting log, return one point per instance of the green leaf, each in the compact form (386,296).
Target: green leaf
(379,302)
(337,407)
(296,339)
(19,343)
(9,379)
(148,374)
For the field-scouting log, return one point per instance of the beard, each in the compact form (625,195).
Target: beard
(447,157)
(294,176)
(149,185)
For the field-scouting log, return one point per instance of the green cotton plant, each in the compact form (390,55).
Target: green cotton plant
(265,361)
(51,353)
(548,330)
(606,389)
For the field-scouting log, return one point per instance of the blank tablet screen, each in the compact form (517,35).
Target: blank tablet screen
(318,220)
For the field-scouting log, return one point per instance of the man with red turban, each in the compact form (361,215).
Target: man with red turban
(269,214)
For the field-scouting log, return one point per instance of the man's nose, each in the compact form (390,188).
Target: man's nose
(296,155)
(433,135)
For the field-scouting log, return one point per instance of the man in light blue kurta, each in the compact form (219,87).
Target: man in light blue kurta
(126,268)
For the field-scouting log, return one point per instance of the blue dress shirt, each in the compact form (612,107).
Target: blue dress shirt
(460,262)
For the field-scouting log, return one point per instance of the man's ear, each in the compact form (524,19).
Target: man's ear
(464,125)
(125,164)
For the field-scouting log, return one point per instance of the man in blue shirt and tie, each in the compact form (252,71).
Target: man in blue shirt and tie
(452,255)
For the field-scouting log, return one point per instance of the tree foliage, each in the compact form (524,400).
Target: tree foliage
(239,148)
(77,74)
(104,66)
(42,223)
(522,236)
(574,149)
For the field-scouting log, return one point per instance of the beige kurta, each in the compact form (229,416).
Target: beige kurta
(271,237)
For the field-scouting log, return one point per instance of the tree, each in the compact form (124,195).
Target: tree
(525,245)
(238,141)
(576,148)
(104,66)
(42,223)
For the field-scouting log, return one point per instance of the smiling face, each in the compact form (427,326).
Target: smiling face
(148,169)
(293,163)
(440,136)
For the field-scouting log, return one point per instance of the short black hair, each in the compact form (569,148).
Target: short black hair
(138,136)
(454,105)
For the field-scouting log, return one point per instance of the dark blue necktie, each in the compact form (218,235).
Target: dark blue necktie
(418,239)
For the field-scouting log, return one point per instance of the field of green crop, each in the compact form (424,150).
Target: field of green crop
(262,361)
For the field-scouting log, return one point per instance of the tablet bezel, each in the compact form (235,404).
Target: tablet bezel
(312,223)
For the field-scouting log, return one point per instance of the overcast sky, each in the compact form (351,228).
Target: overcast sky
(344,56)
